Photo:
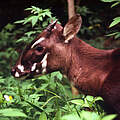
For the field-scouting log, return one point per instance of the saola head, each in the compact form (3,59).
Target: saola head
(49,51)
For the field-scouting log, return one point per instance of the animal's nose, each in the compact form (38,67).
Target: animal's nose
(13,72)
(17,74)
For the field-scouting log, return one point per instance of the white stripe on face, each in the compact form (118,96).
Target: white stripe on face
(21,68)
(38,41)
(55,27)
(33,67)
(17,74)
(44,63)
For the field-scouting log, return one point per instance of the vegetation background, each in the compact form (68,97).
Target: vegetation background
(49,97)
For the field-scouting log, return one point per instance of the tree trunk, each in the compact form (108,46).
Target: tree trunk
(71,13)
(71,8)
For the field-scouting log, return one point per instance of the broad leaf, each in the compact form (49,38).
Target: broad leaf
(72,116)
(77,101)
(34,20)
(115,21)
(109,0)
(109,117)
(12,113)
(43,116)
(58,115)
(116,3)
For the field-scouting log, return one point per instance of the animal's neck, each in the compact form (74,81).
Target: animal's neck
(89,66)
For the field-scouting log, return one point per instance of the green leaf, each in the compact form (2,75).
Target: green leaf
(48,14)
(3,118)
(43,86)
(58,115)
(109,117)
(28,19)
(72,116)
(98,98)
(89,98)
(109,0)
(115,21)
(77,101)
(12,113)
(115,4)
(40,18)
(43,116)
(117,35)
(85,115)
(44,24)
(1,98)
(112,34)
(34,20)
(19,21)
(10,26)
(30,33)
(28,9)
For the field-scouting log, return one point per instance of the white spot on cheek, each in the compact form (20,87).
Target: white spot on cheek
(55,27)
(44,63)
(21,68)
(33,67)
(17,74)
(44,71)
(37,71)
(38,41)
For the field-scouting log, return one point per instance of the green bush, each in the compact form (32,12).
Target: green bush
(116,20)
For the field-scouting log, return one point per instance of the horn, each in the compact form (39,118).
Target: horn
(51,26)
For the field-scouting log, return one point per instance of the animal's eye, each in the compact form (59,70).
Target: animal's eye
(39,49)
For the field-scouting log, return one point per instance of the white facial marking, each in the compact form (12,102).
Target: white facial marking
(55,27)
(44,63)
(45,58)
(37,71)
(44,71)
(33,67)
(69,38)
(21,68)
(17,74)
(38,41)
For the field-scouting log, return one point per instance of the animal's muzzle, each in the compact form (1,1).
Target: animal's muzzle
(18,74)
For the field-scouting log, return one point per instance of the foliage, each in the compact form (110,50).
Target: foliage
(39,19)
(37,15)
(116,20)
(116,2)
(47,97)
(8,54)
(93,26)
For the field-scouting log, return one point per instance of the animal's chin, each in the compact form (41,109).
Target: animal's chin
(22,77)
(29,76)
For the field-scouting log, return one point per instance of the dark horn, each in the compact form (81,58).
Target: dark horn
(51,26)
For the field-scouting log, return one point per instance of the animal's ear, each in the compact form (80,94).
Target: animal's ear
(72,27)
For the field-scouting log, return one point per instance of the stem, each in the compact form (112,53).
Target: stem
(48,101)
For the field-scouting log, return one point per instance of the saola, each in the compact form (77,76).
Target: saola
(93,71)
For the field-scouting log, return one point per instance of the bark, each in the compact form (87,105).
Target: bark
(71,13)
(71,8)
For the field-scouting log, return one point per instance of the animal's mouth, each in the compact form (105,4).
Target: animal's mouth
(35,69)
(20,75)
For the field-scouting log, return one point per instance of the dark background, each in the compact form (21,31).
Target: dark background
(12,10)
